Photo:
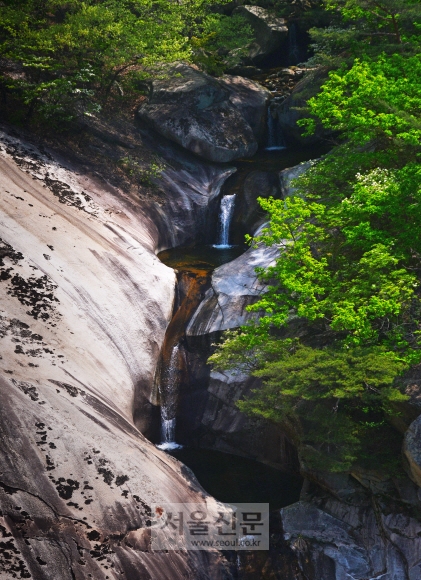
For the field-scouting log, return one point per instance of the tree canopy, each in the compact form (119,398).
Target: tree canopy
(349,252)
(63,58)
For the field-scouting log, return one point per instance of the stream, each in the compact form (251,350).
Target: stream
(228,477)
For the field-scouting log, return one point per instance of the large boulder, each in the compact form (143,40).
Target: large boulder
(234,287)
(219,120)
(334,540)
(269,31)
(251,99)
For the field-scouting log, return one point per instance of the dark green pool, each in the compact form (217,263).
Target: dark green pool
(234,479)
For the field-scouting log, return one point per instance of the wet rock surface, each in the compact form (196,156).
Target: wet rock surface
(206,116)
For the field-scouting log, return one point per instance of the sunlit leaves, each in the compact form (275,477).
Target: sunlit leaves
(373,100)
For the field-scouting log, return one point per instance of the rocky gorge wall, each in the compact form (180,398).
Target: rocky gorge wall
(85,305)
(84,308)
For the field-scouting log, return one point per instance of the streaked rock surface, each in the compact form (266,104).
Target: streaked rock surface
(84,308)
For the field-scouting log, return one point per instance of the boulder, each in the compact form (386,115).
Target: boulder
(269,31)
(336,541)
(251,99)
(234,287)
(412,450)
(217,120)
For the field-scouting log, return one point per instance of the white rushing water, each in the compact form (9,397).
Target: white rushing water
(275,140)
(225,217)
(169,396)
(168,435)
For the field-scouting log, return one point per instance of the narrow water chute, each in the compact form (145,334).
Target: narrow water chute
(169,396)
(275,139)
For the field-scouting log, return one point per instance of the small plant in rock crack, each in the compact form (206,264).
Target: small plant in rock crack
(143,173)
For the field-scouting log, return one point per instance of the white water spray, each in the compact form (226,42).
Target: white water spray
(169,395)
(225,216)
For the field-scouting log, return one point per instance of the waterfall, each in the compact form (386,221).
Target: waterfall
(275,140)
(225,216)
(167,433)
(293,48)
(169,395)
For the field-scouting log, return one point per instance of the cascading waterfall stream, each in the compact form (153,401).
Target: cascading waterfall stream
(275,140)
(169,394)
(225,217)
(293,48)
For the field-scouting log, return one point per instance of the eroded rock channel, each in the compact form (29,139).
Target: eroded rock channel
(103,357)
(235,458)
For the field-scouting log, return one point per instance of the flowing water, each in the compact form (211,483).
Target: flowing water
(226,213)
(168,388)
(275,140)
(227,477)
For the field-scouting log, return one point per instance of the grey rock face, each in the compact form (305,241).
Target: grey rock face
(234,287)
(269,31)
(338,541)
(191,190)
(206,116)
(412,450)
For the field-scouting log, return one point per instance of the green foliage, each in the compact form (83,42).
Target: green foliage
(366,28)
(65,58)
(378,99)
(349,254)
(222,42)
(143,174)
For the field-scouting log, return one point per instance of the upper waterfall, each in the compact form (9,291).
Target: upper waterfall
(275,139)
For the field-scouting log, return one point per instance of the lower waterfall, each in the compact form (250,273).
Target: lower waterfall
(225,217)
(169,394)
